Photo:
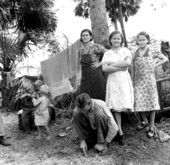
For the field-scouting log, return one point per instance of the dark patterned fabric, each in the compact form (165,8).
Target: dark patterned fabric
(93,81)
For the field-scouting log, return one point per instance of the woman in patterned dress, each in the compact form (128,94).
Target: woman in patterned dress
(145,89)
(93,81)
(119,90)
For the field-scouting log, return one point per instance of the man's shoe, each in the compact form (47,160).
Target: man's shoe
(4,142)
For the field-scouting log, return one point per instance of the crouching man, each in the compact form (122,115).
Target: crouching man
(94,124)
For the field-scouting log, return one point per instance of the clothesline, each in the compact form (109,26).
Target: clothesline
(57,70)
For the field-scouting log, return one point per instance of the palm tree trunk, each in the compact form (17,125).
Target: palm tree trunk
(99,24)
(122,23)
(115,25)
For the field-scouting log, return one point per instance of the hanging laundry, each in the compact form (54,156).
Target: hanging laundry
(59,69)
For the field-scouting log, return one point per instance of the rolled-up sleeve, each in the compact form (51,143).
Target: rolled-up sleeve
(112,126)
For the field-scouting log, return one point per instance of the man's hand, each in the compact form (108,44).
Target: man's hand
(101,146)
(83,146)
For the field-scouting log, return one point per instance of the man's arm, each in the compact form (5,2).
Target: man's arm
(112,126)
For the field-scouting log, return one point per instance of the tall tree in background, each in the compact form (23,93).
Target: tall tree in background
(99,23)
(31,20)
(118,10)
(98,15)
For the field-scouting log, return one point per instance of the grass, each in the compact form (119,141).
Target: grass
(27,150)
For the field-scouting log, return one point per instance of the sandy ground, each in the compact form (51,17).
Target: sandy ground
(27,150)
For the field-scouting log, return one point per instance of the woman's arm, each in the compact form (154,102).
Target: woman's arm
(111,69)
(99,50)
(96,64)
(125,63)
(163,59)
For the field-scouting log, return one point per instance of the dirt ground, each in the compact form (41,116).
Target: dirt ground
(27,150)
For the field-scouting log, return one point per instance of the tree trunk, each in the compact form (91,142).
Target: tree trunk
(99,23)
(115,25)
(4,91)
(121,23)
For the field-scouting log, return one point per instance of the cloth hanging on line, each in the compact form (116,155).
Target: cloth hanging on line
(59,69)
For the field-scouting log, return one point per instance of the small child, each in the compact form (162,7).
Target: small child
(51,108)
(42,113)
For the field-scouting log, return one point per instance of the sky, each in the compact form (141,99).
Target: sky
(155,22)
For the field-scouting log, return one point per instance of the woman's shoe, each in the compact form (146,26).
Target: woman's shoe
(150,133)
(141,126)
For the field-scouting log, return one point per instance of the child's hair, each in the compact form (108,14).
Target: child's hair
(86,30)
(114,33)
(82,100)
(143,33)
(44,89)
(37,84)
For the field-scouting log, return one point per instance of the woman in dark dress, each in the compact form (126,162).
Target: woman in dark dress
(93,81)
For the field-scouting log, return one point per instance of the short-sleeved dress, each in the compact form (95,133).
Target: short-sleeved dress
(93,81)
(42,113)
(145,88)
(119,90)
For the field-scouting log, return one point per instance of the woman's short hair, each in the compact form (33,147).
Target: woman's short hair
(143,33)
(82,100)
(114,33)
(86,30)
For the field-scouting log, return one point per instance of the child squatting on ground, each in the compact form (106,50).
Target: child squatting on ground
(42,113)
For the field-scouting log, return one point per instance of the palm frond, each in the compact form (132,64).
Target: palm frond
(3,18)
(8,47)
(82,9)
(129,8)
(36,15)
(28,15)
